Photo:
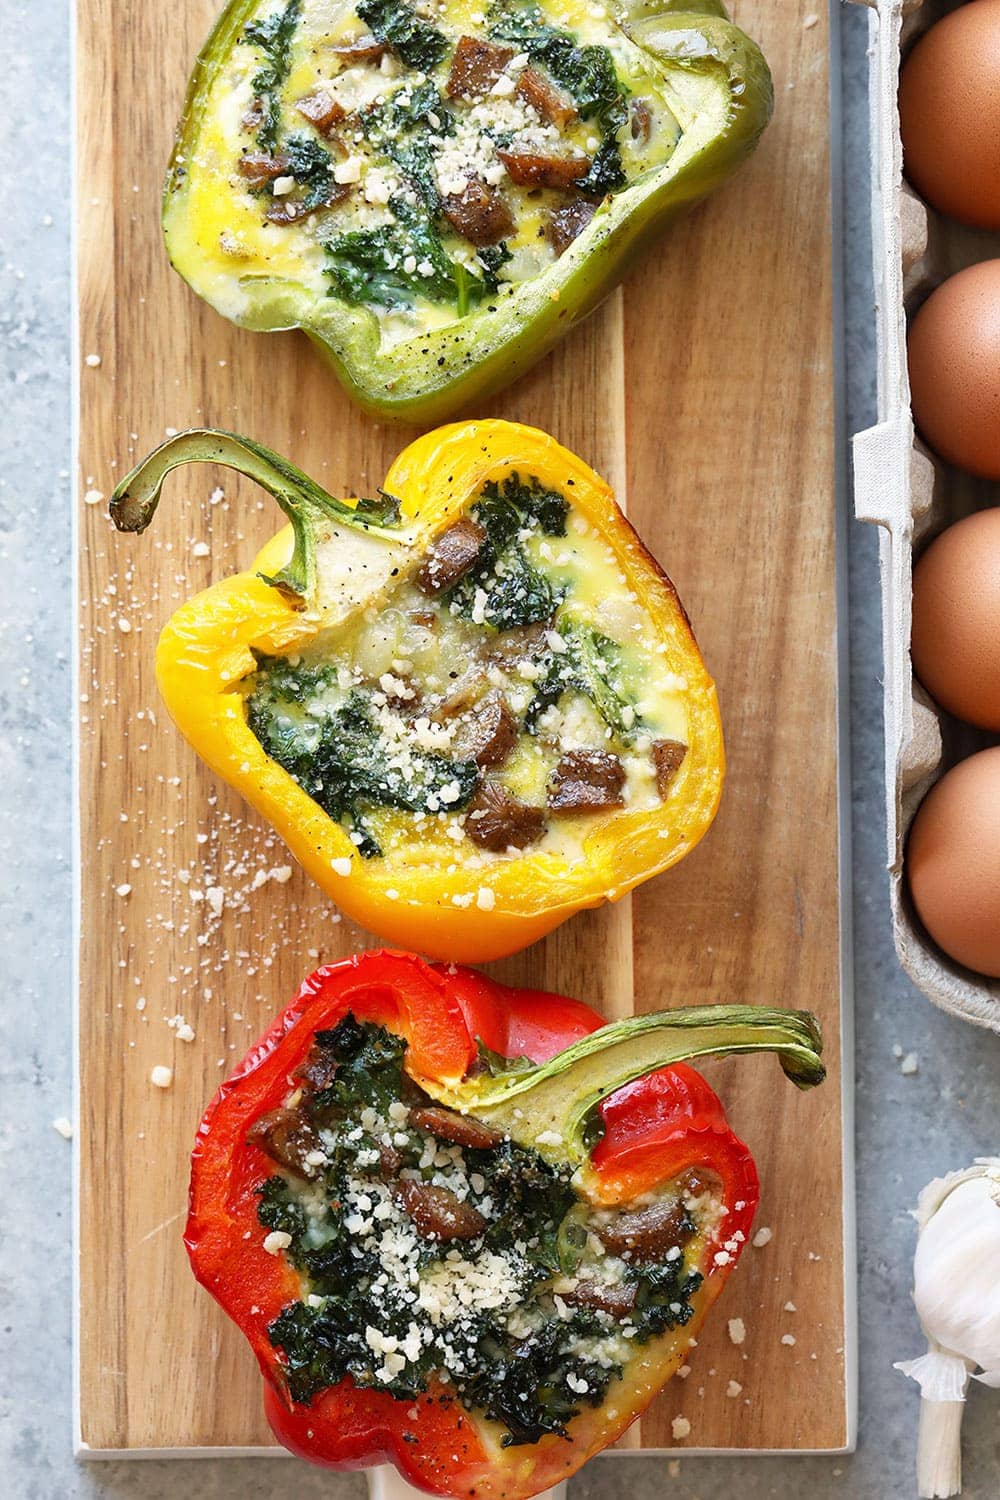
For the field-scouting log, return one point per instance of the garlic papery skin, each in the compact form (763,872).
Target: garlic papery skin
(957,1296)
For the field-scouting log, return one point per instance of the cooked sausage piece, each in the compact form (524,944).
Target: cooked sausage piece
(641,121)
(451,555)
(647,1233)
(586,781)
(449,1125)
(488,733)
(287,1138)
(668,756)
(618,1300)
(523,643)
(564,224)
(365,48)
(497,821)
(543,169)
(479,213)
(259,168)
(254,115)
(321,109)
(319,1069)
(436,1212)
(475,68)
(550,102)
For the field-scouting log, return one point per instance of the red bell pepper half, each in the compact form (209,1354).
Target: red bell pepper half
(629,1196)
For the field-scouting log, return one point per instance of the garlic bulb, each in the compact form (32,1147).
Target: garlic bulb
(957,1294)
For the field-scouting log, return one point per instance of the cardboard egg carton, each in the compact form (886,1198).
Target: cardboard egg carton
(911,495)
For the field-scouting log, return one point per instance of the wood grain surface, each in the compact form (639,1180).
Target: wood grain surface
(705,392)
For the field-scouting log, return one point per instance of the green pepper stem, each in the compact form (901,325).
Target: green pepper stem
(554,1099)
(133,504)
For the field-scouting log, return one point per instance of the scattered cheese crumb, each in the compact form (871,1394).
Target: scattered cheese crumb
(161,1077)
(123,890)
(737,1330)
(200,549)
(761,1238)
(790,1307)
(681,1428)
(64,1127)
(124,625)
(910,1065)
(788,1339)
(341,866)
(92,361)
(278,1239)
(348,171)
(734,1389)
(93,497)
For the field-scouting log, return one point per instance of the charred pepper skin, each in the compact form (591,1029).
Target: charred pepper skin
(659,1121)
(725,85)
(207,648)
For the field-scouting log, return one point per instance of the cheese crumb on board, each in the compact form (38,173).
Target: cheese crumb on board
(161,1076)
(680,1428)
(737,1330)
(761,1238)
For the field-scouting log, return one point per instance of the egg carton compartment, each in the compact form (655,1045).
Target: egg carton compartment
(911,495)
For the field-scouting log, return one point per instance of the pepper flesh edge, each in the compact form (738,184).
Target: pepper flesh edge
(709,64)
(205,651)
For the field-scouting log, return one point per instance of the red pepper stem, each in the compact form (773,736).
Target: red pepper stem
(134,502)
(549,1106)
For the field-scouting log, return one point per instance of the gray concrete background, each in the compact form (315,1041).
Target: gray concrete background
(908,1128)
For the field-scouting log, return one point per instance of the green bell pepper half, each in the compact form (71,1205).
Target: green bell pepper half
(719,87)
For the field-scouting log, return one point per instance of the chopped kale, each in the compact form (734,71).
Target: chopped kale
(273,34)
(524,1386)
(530,1378)
(276,1209)
(605,173)
(369,1070)
(592,665)
(419,44)
(403,128)
(531,1199)
(493,258)
(587,73)
(312,167)
(394,264)
(516,592)
(342,760)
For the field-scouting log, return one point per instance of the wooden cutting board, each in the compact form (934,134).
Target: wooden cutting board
(704,392)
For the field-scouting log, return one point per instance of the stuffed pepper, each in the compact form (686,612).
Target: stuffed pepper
(468,1229)
(436,193)
(471,706)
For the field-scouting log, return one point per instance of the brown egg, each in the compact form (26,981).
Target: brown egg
(949,114)
(956,619)
(954,358)
(953,862)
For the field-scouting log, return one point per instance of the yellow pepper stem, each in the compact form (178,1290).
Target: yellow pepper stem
(134,502)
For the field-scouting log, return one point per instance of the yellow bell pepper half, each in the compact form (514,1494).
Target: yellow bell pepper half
(551,740)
